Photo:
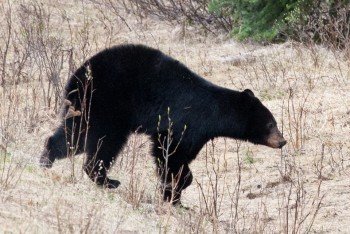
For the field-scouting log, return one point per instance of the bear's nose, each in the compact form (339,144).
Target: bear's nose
(282,143)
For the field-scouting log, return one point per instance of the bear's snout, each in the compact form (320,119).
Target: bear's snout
(45,162)
(282,143)
(275,140)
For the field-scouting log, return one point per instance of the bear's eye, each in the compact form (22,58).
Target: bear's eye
(269,125)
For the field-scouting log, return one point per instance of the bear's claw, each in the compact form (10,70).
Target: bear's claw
(111,184)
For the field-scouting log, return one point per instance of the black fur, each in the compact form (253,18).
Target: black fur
(125,89)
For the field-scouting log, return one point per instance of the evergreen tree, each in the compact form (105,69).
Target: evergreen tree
(273,20)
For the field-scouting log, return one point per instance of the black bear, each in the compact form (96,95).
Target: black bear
(131,88)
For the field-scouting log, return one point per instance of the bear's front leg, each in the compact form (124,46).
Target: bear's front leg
(173,171)
(97,172)
(174,179)
(103,144)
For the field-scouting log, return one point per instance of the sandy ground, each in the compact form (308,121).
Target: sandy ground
(239,187)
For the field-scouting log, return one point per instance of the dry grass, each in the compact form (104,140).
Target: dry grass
(238,187)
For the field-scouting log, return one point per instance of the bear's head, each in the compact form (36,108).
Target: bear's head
(261,127)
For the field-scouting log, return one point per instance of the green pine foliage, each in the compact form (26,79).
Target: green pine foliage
(261,20)
(275,20)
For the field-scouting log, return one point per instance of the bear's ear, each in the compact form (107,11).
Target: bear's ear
(246,98)
(249,92)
